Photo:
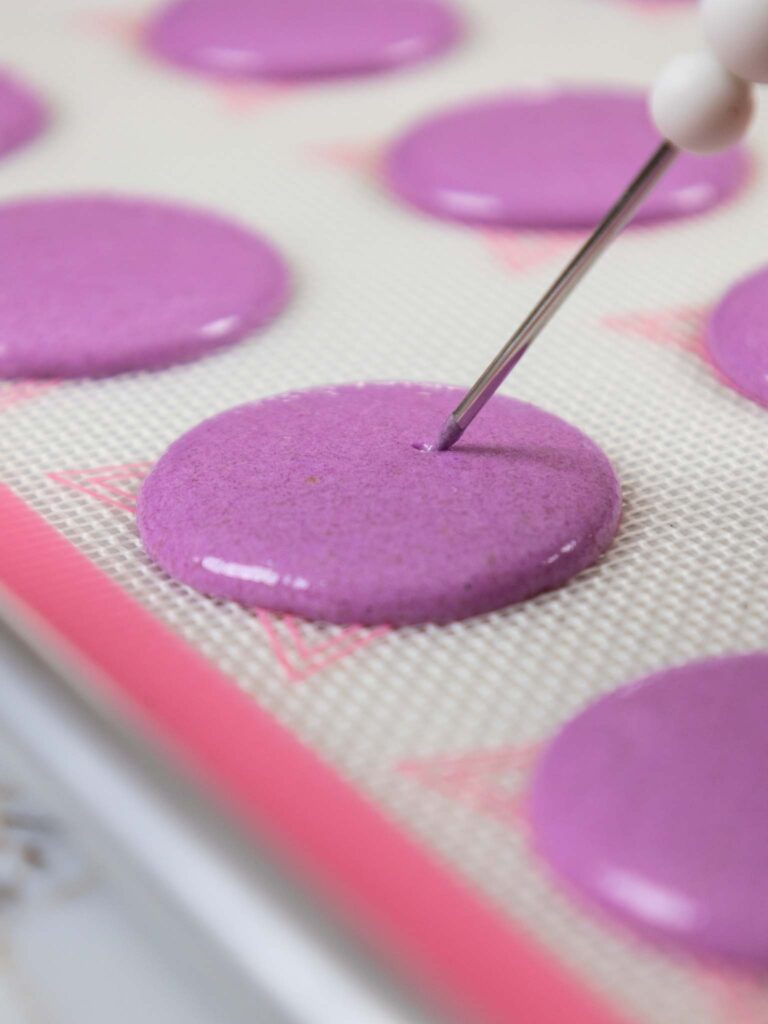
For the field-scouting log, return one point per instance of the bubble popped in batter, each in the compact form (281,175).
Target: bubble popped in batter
(298,504)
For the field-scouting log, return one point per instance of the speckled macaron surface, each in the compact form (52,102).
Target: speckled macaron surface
(22,115)
(549,159)
(653,804)
(737,337)
(96,285)
(322,503)
(300,39)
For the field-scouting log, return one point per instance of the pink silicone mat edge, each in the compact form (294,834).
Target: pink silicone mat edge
(419,913)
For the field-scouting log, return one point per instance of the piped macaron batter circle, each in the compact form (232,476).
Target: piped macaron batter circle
(96,285)
(22,116)
(549,160)
(323,503)
(653,803)
(737,337)
(300,38)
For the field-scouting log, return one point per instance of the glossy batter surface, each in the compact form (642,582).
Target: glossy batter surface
(653,804)
(549,160)
(737,337)
(22,116)
(300,38)
(95,285)
(322,503)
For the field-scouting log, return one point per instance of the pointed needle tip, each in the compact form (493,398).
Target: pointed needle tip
(449,435)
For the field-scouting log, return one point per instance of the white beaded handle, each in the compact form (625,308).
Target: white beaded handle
(703,102)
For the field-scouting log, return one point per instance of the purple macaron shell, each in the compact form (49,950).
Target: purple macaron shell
(737,337)
(552,159)
(300,38)
(22,115)
(320,503)
(653,804)
(97,285)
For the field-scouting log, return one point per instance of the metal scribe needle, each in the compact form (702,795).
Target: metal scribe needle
(539,317)
(701,103)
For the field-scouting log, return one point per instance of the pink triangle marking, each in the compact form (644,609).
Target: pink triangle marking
(355,156)
(246,98)
(525,251)
(22,391)
(103,483)
(125,27)
(300,660)
(477,779)
(654,10)
(679,328)
(306,652)
(736,999)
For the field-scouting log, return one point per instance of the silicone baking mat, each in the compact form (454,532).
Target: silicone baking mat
(435,728)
